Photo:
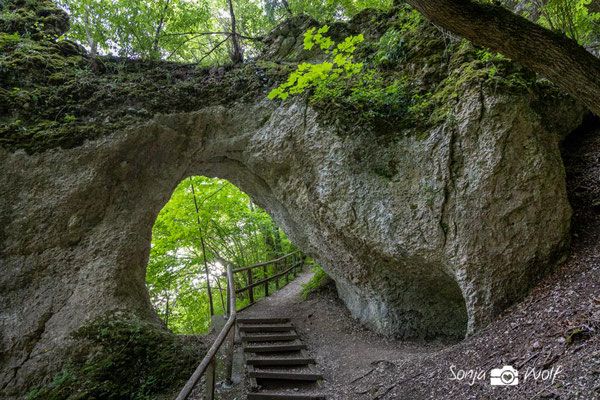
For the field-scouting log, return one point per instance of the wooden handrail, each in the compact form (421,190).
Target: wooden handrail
(263,281)
(209,358)
(265,263)
(208,364)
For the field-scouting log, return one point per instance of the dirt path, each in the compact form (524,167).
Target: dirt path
(344,350)
(553,330)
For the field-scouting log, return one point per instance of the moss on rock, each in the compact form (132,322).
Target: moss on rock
(53,95)
(420,74)
(52,98)
(130,359)
(33,18)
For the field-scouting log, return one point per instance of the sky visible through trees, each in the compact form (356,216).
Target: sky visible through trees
(185,240)
(201,31)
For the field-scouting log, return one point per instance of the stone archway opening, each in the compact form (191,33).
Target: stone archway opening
(205,222)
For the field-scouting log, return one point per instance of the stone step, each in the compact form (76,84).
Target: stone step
(284,396)
(286,376)
(270,338)
(266,328)
(280,361)
(273,348)
(256,320)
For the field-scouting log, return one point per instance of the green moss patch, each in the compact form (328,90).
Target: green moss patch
(53,95)
(35,19)
(132,359)
(413,77)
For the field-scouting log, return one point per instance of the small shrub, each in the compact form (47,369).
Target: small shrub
(318,283)
(134,360)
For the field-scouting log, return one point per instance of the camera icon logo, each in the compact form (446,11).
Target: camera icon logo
(505,376)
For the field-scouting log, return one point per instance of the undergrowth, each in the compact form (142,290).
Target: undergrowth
(319,282)
(132,359)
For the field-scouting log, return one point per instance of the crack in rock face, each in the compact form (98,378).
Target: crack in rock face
(426,236)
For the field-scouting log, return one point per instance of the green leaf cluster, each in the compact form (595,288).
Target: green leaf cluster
(313,75)
(573,18)
(190,30)
(342,87)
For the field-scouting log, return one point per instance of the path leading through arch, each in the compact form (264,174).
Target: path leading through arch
(344,351)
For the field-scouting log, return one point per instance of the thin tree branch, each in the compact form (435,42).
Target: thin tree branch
(198,34)
(212,50)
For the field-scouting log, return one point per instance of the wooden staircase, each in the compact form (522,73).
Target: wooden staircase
(278,364)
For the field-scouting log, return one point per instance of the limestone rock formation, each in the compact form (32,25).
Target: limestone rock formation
(427,230)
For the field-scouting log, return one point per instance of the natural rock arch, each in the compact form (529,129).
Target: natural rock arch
(425,235)
(83,217)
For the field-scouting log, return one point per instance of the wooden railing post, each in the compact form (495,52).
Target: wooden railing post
(229,357)
(287,274)
(275,271)
(295,270)
(211,373)
(265,273)
(251,290)
(208,365)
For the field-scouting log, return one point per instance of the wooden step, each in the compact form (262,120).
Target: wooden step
(251,320)
(270,338)
(280,361)
(266,328)
(284,396)
(274,348)
(288,376)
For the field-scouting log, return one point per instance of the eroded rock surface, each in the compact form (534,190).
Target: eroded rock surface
(428,231)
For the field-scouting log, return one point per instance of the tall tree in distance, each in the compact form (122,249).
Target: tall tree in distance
(206,224)
(236,53)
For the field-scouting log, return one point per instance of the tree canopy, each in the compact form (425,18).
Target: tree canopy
(225,225)
(190,30)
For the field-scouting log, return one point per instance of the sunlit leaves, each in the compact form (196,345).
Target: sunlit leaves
(231,226)
(310,75)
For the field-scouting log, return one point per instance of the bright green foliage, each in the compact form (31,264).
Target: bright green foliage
(231,226)
(313,75)
(335,10)
(190,30)
(137,28)
(570,17)
(341,86)
(490,60)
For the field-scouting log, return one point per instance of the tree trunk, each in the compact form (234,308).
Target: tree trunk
(210,299)
(236,55)
(561,60)
(86,25)
(286,6)
(212,310)
(159,29)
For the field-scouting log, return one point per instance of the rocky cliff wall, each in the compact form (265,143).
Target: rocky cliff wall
(429,230)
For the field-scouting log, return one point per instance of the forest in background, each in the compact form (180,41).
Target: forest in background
(207,220)
(210,32)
